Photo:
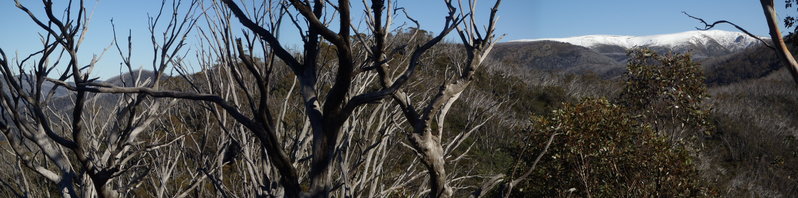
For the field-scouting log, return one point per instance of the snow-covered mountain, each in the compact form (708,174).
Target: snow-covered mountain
(733,41)
(701,44)
(606,55)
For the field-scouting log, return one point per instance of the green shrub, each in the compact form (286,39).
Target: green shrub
(601,150)
(668,92)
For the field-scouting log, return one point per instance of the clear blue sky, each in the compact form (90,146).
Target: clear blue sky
(519,19)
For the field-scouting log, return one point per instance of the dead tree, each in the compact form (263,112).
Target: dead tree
(86,140)
(424,140)
(328,120)
(331,99)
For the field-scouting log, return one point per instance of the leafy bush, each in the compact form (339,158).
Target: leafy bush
(668,92)
(601,150)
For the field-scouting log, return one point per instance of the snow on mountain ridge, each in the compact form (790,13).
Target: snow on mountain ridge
(727,39)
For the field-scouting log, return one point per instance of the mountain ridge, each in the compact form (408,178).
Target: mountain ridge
(724,61)
(733,41)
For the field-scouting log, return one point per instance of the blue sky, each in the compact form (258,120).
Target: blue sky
(519,19)
(530,19)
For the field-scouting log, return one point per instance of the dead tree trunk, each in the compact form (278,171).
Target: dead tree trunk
(775,35)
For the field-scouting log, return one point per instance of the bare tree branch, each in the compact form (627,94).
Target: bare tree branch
(708,26)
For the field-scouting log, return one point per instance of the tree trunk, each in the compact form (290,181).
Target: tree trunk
(320,173)
(432,151)
(778,40)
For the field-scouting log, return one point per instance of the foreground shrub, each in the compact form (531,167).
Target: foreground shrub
(600,150)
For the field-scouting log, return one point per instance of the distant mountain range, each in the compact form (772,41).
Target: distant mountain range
(605,55)
(716,39)
(63,99)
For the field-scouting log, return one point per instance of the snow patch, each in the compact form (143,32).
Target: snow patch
(730,40)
